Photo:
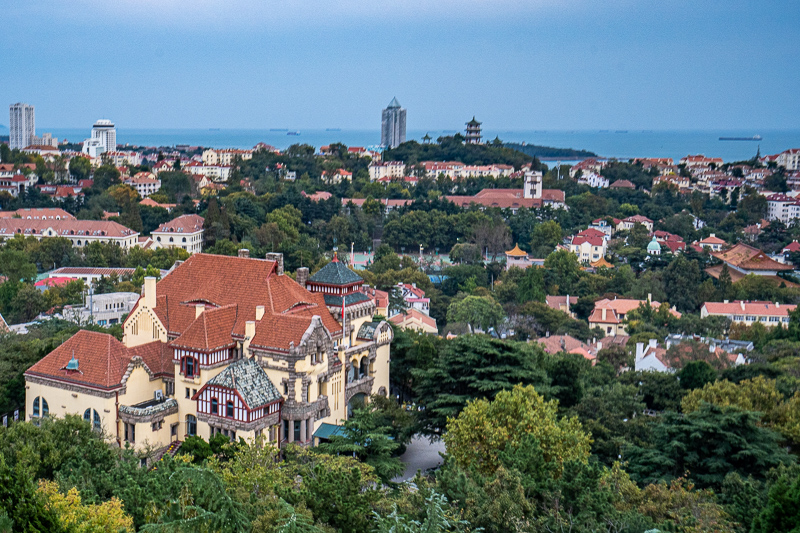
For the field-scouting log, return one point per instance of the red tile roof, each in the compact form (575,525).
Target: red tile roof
(749,258)
(210,331)
(182,224)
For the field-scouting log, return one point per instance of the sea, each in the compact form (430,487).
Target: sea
(620,144)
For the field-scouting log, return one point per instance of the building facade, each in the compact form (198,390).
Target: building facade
(22,126)
(247,352)
(79,232)
(185,232)
(105,132)
(393,125)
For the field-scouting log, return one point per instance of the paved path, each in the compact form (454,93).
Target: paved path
(420,454)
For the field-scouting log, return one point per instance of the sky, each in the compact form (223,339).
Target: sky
(514,64)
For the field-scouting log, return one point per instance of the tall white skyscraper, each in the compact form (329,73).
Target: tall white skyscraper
(104,131)
(393,125)
(22,124)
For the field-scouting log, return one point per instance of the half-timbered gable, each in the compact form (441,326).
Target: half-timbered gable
(207,343)
(240,398)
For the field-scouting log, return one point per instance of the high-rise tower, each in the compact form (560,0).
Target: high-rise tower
(393,125)
(22,124)
(104,131)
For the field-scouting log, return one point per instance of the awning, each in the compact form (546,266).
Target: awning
(326,431)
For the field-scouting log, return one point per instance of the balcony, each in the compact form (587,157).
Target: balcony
(149,411)
(359,386)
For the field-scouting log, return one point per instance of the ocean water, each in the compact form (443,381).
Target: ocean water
(606,143)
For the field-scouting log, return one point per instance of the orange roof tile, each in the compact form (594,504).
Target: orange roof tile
(516,252)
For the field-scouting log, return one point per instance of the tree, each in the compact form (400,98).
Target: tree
(438,519)
(708,443)
(562,272)
(361,436)
(696,374)
(80,168)
(175,184)
(105,176)
(470,367)
(15,265)
(477,312)
(782,510)
(485,429)
(545,237)
(82,518)
(128,201)
(681,281)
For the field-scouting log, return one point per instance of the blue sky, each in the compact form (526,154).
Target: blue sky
(539,64)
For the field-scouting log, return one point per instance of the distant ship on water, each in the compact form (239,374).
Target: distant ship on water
(753,138)
(292,133)
(279,129)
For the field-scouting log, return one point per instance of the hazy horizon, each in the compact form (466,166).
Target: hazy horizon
(515,65)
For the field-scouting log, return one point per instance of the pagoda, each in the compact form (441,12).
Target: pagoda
(473,132)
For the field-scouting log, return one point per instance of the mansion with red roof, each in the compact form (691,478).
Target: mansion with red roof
(227,345)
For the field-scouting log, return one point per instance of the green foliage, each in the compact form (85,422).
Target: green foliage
(696,374)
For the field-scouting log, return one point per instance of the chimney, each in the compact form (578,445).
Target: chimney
(653,343)
(244,252)
(741,304)
(649,298)
(639,351)
(302,276)
(599,345)
(603,311)
(198,309)
(149,292)
(567,303)
(777,304)
(259,312)
(278,258)
(725,301)
(249,333)
(712,236)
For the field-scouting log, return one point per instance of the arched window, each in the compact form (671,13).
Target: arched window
(191,425)
(363,369)
(214,406)
(35,407)
(229,409)
(171,240)
(184,239)
(45,408)
(93,417)
(353,373)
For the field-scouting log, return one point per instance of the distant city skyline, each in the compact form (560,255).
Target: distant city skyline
(542,64)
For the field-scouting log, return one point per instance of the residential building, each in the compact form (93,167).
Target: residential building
(414,297)
(589,245)
(713,243)
(46,139)
(249,352)
(628,223)
(743,312)
(743,260)
(225,157)
(393,125)
(185,232)
(473,132)
(607,225)
(692,161)
(92,275)
(782,207)
(152,203)
(121,158)
(337,176)
(388,205)
(145,183)
(622,184)
(416,320)
(651,357)
(80,232)
(593,179)
(586,166)
(671,241)
(103,139)
(609,315)
(789,159)
(562,303)
(554,344)
(16,183)
(22,126)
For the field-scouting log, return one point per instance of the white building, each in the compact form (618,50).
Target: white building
(103,309)
(790,159)
(22,125)
(386,169)
(104,131)
(185,232)
(46,139)
(593,179)
(121,159)
(94,148)
(740,312)
(589,245)
(782,207)
(225,157)
(145,183)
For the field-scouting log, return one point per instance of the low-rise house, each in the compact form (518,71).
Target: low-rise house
(562,303)
(713,243)
(593,179)
(337,176)
(589,245)
(386,169)
(627,223)
(603,225)
(40,213)
(748,313)
(145,183)
(700,161)
(670,241)
(554,344)
(152,203)
(414,319)
(414,297)
(91,275)
(623,184)
(185,232)
(609,315)
(791,248)
(651,357)
(743,260)
(103,309)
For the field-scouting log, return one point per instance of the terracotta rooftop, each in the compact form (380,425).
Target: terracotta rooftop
(210,331)
(182,224)
(748,258)
(63,228)
(48,213)
(739,307)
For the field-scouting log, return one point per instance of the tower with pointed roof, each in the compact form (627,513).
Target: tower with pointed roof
(393,125)
(473,132)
